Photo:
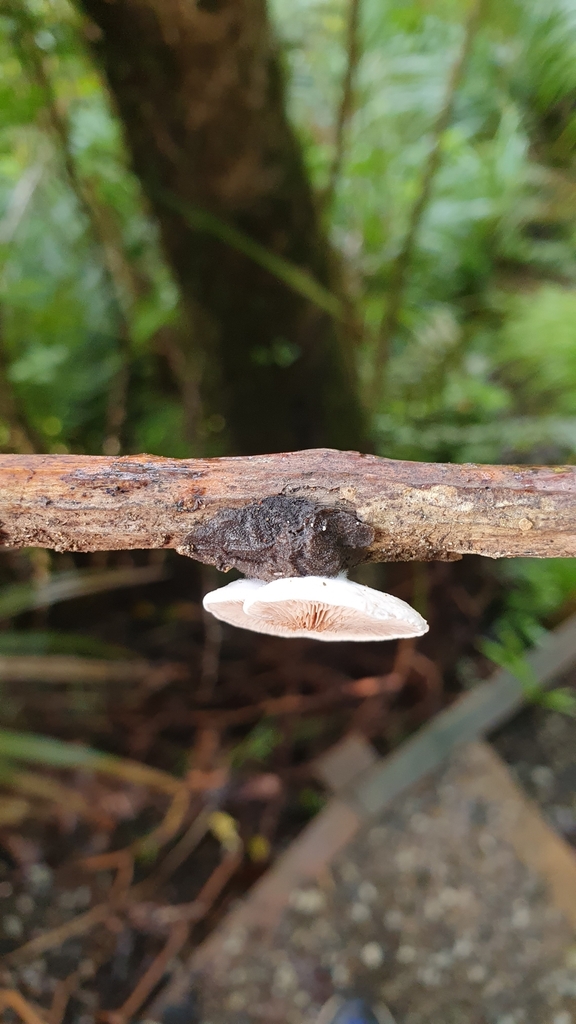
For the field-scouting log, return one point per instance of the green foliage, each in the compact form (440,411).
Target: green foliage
(540,383)
(482,360)
(258,745)
(311,801)
(468,378)
(509,653)
(482,364)
(535,590)
(74,239)
(65,586)
(17,746)
(27,747)
(37,642)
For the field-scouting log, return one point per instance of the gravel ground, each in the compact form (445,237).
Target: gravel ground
(429,911)
(539,747)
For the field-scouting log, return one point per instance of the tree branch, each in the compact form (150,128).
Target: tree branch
(22,437)
(417,510)
(401,265)
(346,107)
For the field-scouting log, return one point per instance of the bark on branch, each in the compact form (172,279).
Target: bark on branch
(412,510)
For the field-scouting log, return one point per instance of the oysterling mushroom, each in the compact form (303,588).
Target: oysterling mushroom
(227,603)
(317,607)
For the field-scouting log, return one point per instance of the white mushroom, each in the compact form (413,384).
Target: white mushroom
(227,603)
(317,607)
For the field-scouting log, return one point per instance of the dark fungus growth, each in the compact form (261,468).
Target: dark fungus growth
(280,537)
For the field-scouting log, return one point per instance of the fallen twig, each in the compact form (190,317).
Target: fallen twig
(57,936)
(417,510)
(169,826)
(123,862)
(149,980)
(50,669)
(155,918)
(366,718)
(298,703)
(62,992)
(43,787)
(10,999)
(180,852)
(120,859)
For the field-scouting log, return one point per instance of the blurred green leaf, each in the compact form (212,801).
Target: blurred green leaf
(22,597)
(561,699)
(258,745)
(297,279)
(50,642)
(509,652)
(20,746)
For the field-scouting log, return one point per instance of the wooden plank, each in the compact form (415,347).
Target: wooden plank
(518,820)
(474,714)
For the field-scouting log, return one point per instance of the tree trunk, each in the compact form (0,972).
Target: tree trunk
(200,90)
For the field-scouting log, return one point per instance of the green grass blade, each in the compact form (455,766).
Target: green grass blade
(23,597)
(35,749)
(294,277)
(24,746)
(33,642)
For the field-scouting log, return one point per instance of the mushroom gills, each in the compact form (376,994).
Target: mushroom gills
(316,607)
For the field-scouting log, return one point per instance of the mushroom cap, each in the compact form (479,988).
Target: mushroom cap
(227,603)
(329,609)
